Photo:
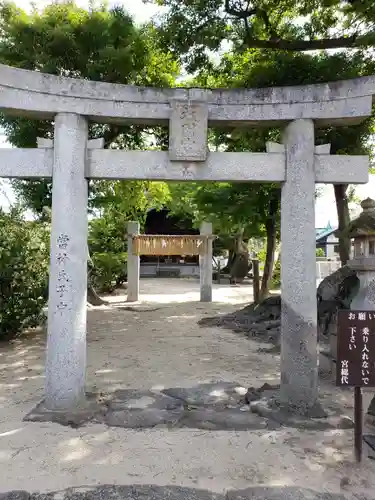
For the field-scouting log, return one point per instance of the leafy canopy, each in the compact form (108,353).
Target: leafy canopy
(191,27)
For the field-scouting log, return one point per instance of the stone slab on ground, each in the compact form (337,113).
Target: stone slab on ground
(139,409)
(152,492)
(281,493)
(74,418)
(211,406)
(319,418)
(223,394)
(225,419)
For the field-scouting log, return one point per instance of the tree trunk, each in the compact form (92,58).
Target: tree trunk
(342,206)
(271,235)
(231,258)
(93,298)
(240,265)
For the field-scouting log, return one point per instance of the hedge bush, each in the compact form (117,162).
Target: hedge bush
(108,251)
(24,260)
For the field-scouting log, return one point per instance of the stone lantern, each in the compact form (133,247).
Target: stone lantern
(357,279)
(362,231)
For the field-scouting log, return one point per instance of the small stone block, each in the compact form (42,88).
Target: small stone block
(188,131)
(275,147)
(42,142)
(323,149)
(95,143)
(75,417)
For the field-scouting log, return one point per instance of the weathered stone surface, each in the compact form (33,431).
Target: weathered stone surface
(133,264)
(256,394)
(15,495)
(219,394)
(45,95)
(224,419)
(66,341)
(75,417)
(216,406)
(205,265)
(321,416)
(283,416)
(299,352)
(153,492)
(131,492)
(188,131)
(139,409)
(281,493)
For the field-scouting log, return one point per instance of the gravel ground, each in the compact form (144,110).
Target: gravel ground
(156,345)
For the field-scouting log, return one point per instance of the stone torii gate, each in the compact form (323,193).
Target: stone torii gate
(72,159)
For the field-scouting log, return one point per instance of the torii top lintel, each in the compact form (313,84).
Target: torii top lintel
(40,95)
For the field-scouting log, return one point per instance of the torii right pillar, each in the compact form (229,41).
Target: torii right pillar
(299,339)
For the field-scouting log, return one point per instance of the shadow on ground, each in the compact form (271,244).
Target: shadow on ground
(259,322)
(152,492)
(215,406)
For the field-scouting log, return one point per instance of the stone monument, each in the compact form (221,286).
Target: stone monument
(72,159)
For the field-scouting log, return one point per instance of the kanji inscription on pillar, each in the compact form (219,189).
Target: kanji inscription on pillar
(355,365)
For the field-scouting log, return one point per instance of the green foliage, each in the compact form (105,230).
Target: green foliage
(118,203)
(320,252)
(276,278)
(193,28)
(104,45)
(24,259)
(107,245)
(100,44)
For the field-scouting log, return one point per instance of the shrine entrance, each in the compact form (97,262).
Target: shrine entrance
(157,245)
(71,159)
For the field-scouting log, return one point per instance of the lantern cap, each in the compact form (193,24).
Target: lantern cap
(363,225)
(368,204)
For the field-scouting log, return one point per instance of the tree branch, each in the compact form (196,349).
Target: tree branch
(305,45)
(276,43)
(239,13)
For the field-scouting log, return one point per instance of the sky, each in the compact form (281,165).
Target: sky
(325,210)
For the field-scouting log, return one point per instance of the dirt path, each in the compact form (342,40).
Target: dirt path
(159,345)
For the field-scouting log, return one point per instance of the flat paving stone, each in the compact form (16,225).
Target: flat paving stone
(134,409)
(318,420)
(223,419)
(153,492)
(281,493)
(73,418)
(217,393)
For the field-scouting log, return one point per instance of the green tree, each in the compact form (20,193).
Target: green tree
(103,45)
(118,203)
(265,41)
(24,259)
(190,27)
(236,205)
(256,68)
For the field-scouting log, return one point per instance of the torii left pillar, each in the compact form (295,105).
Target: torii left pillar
(66,342)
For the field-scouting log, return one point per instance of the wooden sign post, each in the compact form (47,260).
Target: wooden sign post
(355,365)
